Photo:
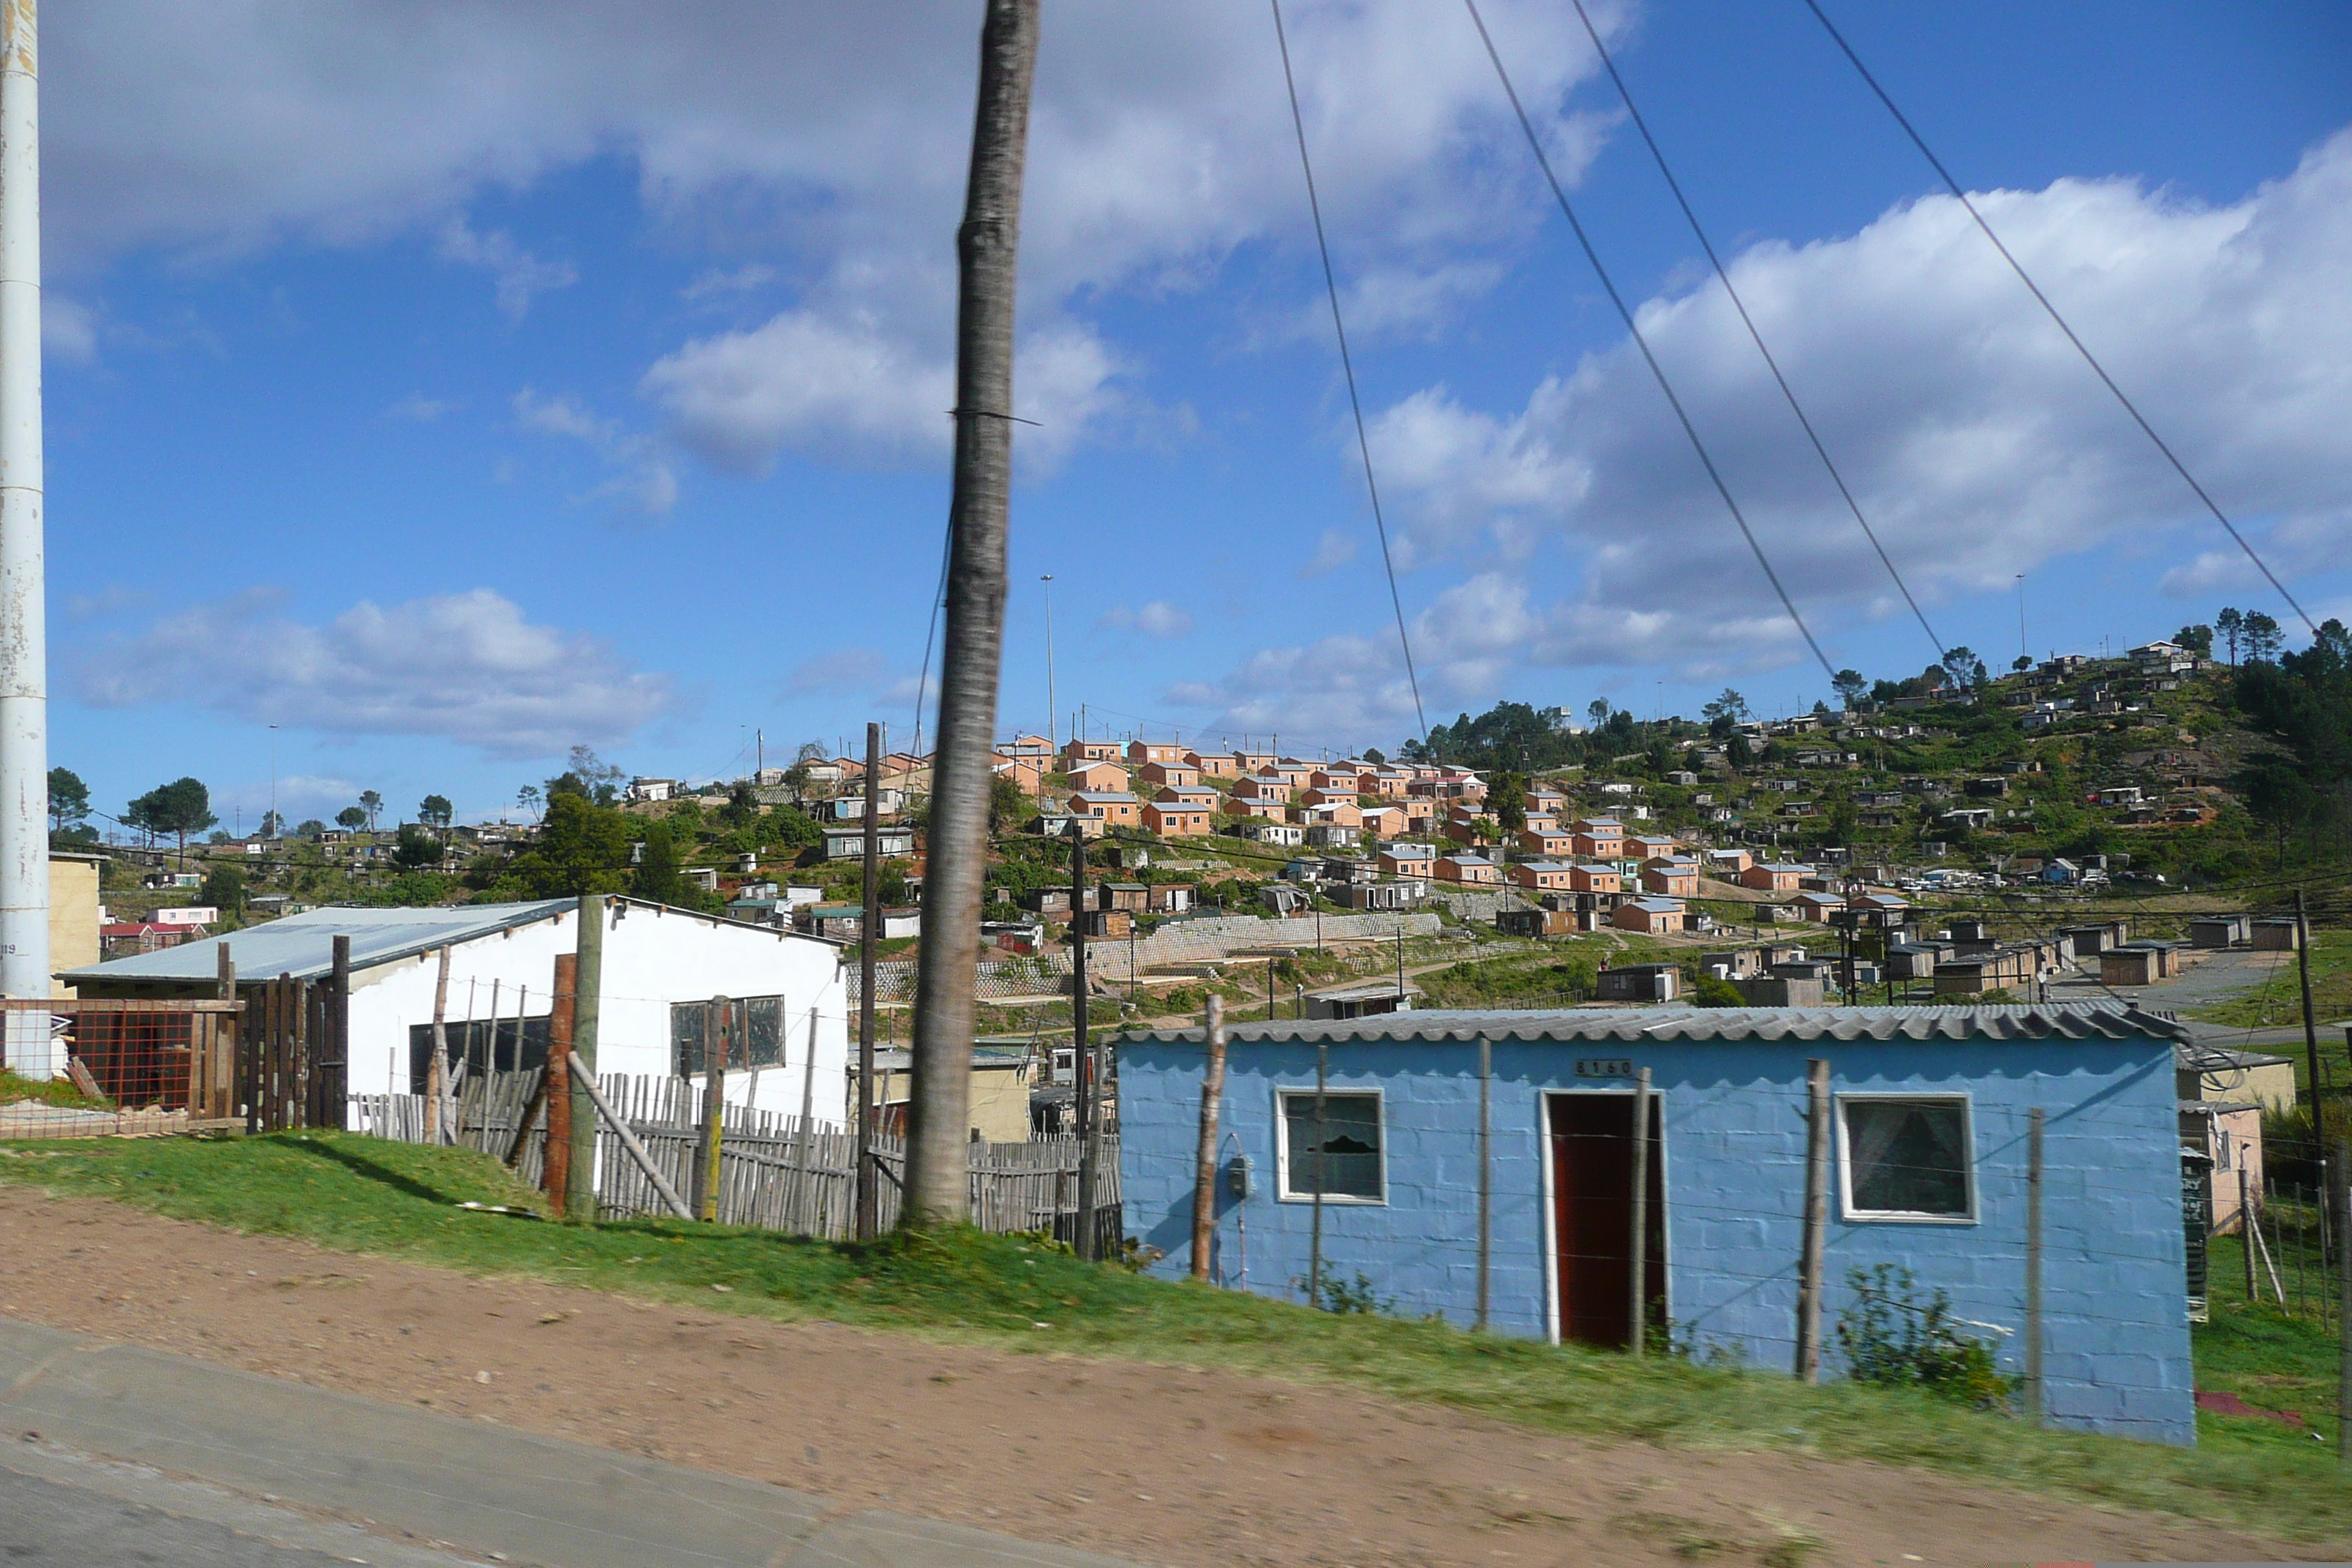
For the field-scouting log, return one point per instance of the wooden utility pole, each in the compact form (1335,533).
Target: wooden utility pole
(2033,1396)
(1638,1248)
(1082,1054)
(555,1170)
(1817,1221)
(436,1072)
(869,931)
(718,1027)
(938,1184)
(1204,1163)
(588,987)
(1485,1175)
(2344,1306)
(2310,1027)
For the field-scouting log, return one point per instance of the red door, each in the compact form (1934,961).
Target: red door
(1592,1217)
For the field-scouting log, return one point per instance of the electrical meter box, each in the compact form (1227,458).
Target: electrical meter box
(1238,1177)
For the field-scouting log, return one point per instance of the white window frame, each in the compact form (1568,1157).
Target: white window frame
(1959,1098)
(1283,1094)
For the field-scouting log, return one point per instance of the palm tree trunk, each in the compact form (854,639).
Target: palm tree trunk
(938,1188)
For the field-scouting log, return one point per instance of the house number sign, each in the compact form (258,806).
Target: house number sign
(1604,1066)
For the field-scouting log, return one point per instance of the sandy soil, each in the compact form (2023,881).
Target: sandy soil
(1162,1465)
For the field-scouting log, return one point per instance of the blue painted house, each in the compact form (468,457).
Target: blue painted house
(1929,1171)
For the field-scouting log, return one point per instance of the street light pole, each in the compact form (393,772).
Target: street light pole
(1047,579)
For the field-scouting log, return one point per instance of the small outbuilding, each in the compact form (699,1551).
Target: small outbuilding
(1930,1113)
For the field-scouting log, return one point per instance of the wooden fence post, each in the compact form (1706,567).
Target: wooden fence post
(1486,1174)
(717,1020)
(1638,1248)
(2034,1398)
(339,1030)
(1816,1222)
(555,1165)
(1204,1163)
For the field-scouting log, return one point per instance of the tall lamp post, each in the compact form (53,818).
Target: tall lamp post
(1047,578)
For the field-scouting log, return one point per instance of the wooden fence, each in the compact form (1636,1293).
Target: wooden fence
(773,1172)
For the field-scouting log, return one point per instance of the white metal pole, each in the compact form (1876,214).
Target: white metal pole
(1049,580)
(24,628)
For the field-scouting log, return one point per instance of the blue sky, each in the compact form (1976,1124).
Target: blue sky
(451,383)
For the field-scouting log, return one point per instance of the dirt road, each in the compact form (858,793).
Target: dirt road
(1160,1464)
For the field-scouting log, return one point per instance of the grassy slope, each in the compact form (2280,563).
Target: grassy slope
(363,1195)
(2279,1001)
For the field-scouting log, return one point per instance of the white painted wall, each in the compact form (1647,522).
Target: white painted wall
(652,959)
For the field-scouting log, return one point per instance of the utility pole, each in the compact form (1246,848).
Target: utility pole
(24,627)
(588,989)
(1082,1065)
(2310,1028)
(1816,1221)
(1047,579)
(937,1187)
(869,928)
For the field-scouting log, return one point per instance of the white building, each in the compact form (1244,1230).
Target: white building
(660,965)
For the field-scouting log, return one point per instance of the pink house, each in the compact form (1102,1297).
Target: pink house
(1541,874)
(1469,871)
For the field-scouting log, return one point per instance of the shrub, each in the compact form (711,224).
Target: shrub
(1713,990)
(1890,1340)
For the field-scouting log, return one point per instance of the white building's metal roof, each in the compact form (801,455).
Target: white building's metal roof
(303,945)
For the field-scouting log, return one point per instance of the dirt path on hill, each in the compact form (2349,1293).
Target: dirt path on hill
(1160,1464)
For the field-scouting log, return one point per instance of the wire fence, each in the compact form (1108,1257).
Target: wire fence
(121,1069)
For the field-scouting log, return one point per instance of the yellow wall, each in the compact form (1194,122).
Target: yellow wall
(1000,1101)
(73,916)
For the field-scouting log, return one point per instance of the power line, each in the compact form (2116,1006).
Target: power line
(1559,194)
(1347,368)
(2043,300)
(932,630)
(1724,276)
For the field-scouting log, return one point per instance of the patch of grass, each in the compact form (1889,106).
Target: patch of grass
(2277,998)
(14,1089)
(363,1195)
(2272,1359)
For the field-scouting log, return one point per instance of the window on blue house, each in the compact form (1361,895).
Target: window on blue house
(1906,1157)
(1343,1145)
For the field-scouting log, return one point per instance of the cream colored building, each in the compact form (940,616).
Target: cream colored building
(999,1092)
(73,914)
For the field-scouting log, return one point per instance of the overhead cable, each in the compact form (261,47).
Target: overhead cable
(1347,368)
(1632,328)
(1936,643)
(2044,301)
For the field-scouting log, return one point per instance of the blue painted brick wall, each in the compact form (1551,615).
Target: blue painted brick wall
(2117,1337)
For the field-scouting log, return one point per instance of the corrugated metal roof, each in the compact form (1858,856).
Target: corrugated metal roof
(303,945)
(2072,1021)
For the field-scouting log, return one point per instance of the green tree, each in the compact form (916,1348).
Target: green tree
(352,818)
(181,808)
(1730,705)
(528,797)
(742,807)
(2261,638)
(68,799)
(1850,687)
(1008,804)
(436,812)
(224,888)
(1713,990)
(371,803)
(1508,793)
(272,824)
(2024,661)
(2231,625)
(2196,639)
(415,849)
(312,828)
(582,848)
(1965,669)
(656,878)
(599,780)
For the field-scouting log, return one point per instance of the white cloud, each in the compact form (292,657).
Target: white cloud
(112,599)
(1157,619)
(1979,444)
(849,386)
(419,408)
(717,284)
(467,668)
(1333,551)
(836,138)
(648,482)
(848,669)
(69,330)
(521,274)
